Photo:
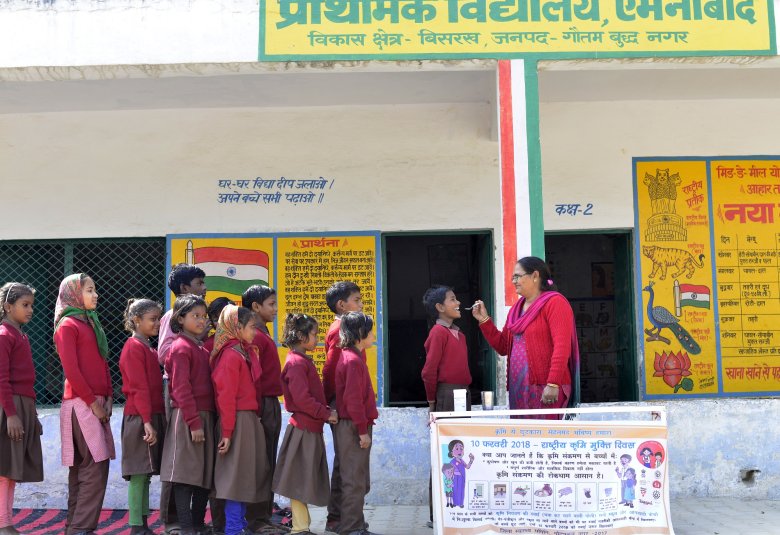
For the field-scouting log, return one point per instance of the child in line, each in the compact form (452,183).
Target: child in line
(188,452)
(143,423)
(213,311)
(261,300)
(21,459)
(446,353)
(356,405)
(87,442)
(303,448)
(241,468)
(342,297)
(184,279)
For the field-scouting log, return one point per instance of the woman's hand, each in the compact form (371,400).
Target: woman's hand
(223,446)
(15,428)
(197,435)
(150,435)
(479,311)
(99,411)
(550,394)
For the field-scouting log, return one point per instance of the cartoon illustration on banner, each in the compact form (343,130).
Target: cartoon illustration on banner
(510,476)
(708,259)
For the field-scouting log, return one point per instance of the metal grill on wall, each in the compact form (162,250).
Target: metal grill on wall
(121,268)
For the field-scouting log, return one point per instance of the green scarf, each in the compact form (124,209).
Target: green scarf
(92,317)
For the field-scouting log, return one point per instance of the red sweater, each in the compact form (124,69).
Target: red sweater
(141,380)
(446,359)
(86,371)
(233,387)
(355,396)
(304,396)
(189,379)
(332,356)
(208,344)
(17,372)
(270,383)
(548,339)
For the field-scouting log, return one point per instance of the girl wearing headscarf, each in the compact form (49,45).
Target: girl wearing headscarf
(87,443)
(241,469)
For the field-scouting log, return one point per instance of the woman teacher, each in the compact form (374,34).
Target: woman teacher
(540,339)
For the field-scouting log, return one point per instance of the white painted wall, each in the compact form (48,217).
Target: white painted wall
(155,172)
(587,147)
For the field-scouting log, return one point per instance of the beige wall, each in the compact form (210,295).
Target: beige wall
(587,147)
(123,173)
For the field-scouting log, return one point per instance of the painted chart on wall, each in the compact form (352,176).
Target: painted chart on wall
(707,262)
(300,267)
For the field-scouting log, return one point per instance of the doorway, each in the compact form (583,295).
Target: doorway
(413,263)
(594,271)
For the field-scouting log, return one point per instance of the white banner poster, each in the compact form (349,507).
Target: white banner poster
(550,477)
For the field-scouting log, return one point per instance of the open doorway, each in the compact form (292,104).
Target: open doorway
(594,271)
(413,263)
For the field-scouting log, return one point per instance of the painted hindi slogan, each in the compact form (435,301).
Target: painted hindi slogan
(550,477)
(403,29)
(708,263)
(299,267)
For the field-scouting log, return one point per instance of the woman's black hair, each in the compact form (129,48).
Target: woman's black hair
(534,263)
(136,308)
(297,328)
(256,294)
(11,292)
(215,308)
(184,304)
(452,445)
(435,295)
(355,326)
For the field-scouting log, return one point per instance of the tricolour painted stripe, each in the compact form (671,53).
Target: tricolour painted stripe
(507,158)
(520,137)
(231,286)
(234,271)
(694,288)
(231,256)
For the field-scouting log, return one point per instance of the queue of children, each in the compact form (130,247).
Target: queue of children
(209,424)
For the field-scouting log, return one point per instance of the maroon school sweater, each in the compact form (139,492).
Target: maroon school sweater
(355,396)
(233,387)
(446,359)
(304,396)
(141,380)
(86,371)
(190,379)
(17,372)
(270,383)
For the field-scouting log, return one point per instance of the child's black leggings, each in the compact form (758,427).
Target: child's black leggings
(191,504)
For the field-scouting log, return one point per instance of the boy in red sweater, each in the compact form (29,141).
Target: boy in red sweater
(356,405)
(342,297)
(261,300)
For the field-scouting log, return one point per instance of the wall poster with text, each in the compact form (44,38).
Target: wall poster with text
(300,267)
(708,274)
(550,477)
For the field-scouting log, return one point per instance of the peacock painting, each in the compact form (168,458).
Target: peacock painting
(662,319)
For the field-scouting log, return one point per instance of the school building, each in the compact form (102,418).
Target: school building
(649,182)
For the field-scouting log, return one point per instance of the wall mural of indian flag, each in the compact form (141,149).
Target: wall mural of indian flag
(230,270)
(231,264)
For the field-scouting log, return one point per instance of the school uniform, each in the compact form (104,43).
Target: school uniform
(303,447)
(356,405)
(142,387)
(332,357)
(269,388)
(20,461)
(87,443)
(242,473)
(446,365)
(166,337)
(192,408)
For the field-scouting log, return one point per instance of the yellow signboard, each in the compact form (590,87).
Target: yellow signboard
(300,268)
(708,265)
(405,29)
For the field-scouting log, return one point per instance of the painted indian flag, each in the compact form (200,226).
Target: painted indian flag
(231,270)
(694,295)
